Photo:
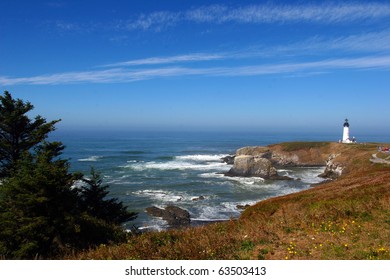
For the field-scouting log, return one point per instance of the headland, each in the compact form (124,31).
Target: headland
(346,217)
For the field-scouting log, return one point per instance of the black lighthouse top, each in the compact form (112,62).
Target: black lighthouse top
(346,124)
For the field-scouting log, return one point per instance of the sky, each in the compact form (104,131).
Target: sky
(276,66)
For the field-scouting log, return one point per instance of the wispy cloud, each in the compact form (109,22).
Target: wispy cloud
(168,60)
(324,13)
(369,43)
(373,42)
(267,13)
(70,27)
(372,48)
(156,21)
(131,75)
(67,26)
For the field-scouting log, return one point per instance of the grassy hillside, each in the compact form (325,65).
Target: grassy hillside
(294,146)
(348,218)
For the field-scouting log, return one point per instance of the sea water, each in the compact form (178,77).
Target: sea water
(185,169)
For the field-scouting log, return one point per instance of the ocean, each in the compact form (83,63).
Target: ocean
(146,169)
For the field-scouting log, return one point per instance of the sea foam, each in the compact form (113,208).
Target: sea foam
(163,195)
(193,162)
(91,158)
(200,157)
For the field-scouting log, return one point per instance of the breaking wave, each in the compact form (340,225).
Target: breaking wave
(193,162)
(307,175)
(163,195)
(200,157)
(247,180)
(222,211)
(91,158)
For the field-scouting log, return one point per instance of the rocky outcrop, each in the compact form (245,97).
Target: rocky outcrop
(254,162)
(256,151)
(285,159)
(242,207)
(228,159)
(175,216)
(262,162)
(301,153)
(198,198)
(333,169)
(252,166)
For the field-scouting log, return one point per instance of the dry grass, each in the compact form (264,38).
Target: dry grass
(345,219)
(293,146)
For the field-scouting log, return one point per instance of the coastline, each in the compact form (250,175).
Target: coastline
(143,171)
(284,155)
(344,218)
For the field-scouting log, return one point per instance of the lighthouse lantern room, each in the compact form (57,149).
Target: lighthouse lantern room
(346,137)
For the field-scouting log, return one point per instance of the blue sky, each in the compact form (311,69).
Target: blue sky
(200,65)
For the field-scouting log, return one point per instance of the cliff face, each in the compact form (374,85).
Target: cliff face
(301,153)
(333,168)
(252,166)
(262,161)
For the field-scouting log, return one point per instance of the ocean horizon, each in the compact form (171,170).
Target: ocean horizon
(146,169)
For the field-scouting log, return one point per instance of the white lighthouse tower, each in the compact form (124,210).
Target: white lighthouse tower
(346,138)
(346,132)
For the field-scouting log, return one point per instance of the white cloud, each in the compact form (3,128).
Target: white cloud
(373,43)
(168,60)
(331,13)
(382,62)
(67,26)
(213,13)
(120,75)
(66,78)
(375,46)
(156,21)
(268,13)
(324,13)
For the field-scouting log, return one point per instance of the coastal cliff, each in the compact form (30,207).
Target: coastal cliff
(346,219)
(263,162)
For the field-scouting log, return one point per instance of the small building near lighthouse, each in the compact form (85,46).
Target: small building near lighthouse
(346,138)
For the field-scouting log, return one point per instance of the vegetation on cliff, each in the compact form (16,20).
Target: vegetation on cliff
(294,146)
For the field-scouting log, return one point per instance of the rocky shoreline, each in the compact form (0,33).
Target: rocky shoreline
(263,162)
(176,217)
(259,161)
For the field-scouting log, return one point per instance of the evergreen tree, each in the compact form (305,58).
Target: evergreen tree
(39,216)
(42,214)
(96,203)
(18,133)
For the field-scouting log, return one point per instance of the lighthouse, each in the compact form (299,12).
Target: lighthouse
(346,132)
(346,138)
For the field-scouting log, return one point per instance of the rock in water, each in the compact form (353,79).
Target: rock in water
(333,169)
(198,198)
(175,216)
(155,211)
(252,166)
(242,207)
(228,159)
